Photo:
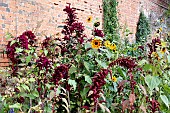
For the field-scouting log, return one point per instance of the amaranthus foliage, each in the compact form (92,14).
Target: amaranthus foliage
(72,73)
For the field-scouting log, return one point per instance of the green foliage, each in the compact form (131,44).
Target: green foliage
(167,13)
(111,25)
(143,29)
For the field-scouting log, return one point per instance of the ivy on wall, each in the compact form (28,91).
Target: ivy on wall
(143,29)
(111,25)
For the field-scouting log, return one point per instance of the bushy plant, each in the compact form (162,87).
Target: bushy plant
(111,25)
(143,29)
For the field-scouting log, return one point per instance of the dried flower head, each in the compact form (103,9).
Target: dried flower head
(89,19)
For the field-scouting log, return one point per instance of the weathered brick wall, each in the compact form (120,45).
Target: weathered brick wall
(42,16)
(128,12)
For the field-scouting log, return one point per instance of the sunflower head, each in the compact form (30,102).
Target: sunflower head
(160,29)
(96,43)
(114,79)
(89,19)
(163,50)
(96,24)
(162,20)
(107,43)
(112,47)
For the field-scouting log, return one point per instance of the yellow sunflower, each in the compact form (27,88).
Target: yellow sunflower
(96,24)
(135,48)
(112,47)
(96,43)
(114,79)
(107,43)
(162,20)
(163,50)
(89,19)
(160,29)
(155,55)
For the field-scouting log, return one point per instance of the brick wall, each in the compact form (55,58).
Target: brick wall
(41,16)
(128,12)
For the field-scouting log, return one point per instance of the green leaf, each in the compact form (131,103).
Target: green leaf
(83,93)
(28,59)
(168,57)
(8,36)
(35,93)
(73,83)
(87,45)
(88,79)
(122,73)
(17,106)
(31,96)
(45,52)
(147,67)
(48,86)
(72,69)
(25,87)
(142,62)
(152,81)
(165,100)
(12,42)
(102,64)
(86,64)
(166,88)
(18,50)
(32,80)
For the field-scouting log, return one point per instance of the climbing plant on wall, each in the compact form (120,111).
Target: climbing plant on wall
(111,25)
(167,13)
(143,28)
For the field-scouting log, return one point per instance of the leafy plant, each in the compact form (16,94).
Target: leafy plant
(111,25)
(143,29)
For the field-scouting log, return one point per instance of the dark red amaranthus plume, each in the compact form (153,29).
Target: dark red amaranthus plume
(59,73)
(23,41)
(43,62)
(98,32)
(46,42)
(154,105)
(73,26)
(10,50)
(98,83)
(153,45)
(31,36)
(127,62)
(71,14)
